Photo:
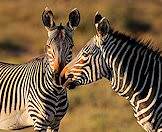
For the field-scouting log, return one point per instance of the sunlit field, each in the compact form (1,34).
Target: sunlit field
(94,107)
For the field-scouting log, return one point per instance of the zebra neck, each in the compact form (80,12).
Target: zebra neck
(50,63)
(129,59)
(53,58)
(51,75)
(137,71)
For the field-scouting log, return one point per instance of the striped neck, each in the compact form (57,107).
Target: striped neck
(51,76)
(137,71)
(130,61)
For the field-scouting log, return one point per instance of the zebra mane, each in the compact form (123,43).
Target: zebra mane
(39,57)
(136,41)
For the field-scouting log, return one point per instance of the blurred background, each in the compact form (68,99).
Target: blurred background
(95,107)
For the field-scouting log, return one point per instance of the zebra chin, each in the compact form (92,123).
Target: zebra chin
(70,84)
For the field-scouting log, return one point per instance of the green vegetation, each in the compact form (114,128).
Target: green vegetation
(95,107)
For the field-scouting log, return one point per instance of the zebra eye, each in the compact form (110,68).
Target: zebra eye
(85,54)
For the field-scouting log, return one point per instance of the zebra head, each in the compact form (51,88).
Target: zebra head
(89,65)
(59,44)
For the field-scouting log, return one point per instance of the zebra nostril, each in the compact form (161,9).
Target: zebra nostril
(70,76)
(56,74)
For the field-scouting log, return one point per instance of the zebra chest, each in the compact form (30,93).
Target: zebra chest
(50,108)
(61,105)
(60,109)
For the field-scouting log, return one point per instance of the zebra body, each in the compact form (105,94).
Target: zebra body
(134,69)
(31,94)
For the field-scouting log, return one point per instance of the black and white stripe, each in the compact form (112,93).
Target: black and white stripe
(134,67)
(31,94)
(31,87)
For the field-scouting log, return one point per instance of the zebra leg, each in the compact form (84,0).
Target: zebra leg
(39,127)
(160,128)
(39,119)
(159,125)
(40,130)
(54,128)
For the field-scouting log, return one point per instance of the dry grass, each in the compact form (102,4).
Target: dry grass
(93,108)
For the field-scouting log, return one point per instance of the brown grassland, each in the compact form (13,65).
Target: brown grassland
(94,107)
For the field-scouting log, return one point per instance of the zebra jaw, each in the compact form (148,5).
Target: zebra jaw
(69,84)
(98,40)
(67,79)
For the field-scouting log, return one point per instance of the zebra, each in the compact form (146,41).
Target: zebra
(31,93)
(132,65)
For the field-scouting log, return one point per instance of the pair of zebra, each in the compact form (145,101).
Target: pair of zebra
(131,65)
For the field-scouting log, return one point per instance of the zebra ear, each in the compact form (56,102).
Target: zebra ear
(98,17)
(74,19)
(103,27)
(47,18)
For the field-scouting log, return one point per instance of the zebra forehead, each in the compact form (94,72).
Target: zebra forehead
(54,33)
(60,37)
(57,30)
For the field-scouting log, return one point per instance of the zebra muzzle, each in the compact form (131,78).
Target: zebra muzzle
(70,84)
(70,75)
